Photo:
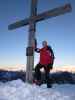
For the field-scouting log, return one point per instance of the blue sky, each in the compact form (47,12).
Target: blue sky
(58,31)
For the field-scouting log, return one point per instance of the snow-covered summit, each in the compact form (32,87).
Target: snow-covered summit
(17,90)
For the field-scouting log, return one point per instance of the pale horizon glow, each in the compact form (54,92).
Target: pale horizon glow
(22,67)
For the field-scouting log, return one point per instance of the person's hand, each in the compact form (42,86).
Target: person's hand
(33,45)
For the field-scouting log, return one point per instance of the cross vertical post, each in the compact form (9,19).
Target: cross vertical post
(31,37)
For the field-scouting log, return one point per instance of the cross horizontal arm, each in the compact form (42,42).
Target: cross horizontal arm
(18,24)
(53,13)
(48,14)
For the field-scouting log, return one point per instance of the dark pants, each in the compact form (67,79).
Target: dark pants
(47,69)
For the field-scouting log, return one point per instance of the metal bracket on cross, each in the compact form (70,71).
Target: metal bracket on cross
(29,51)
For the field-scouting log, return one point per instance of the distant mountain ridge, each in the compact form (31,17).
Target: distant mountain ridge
(55,69)
(64,68)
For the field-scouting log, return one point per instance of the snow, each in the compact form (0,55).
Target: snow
(17,90)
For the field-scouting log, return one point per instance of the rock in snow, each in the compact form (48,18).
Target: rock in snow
(17,90)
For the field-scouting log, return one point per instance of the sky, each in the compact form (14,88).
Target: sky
(58,31)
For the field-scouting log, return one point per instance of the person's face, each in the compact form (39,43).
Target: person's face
(44,43)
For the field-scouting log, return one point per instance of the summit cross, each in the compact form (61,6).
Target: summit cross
(31,21)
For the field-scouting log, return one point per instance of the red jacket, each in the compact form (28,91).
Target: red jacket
(46,55)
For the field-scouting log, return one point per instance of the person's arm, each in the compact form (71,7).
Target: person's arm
(37,50)
(35,46)
(52,53)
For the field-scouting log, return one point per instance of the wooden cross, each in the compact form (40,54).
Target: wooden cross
(31,21)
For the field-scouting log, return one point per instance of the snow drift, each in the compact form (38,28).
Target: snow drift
(17,90)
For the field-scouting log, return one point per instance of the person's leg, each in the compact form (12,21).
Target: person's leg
(47,75)
(37,72)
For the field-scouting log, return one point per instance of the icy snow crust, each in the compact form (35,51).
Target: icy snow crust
(17,90)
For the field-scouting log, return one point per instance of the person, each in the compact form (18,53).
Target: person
(46,62)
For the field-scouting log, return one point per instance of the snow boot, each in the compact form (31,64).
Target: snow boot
(49,86)
(37,82)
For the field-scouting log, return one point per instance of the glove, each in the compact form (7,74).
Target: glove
(34,44)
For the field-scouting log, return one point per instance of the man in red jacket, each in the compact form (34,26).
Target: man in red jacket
(46,62)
